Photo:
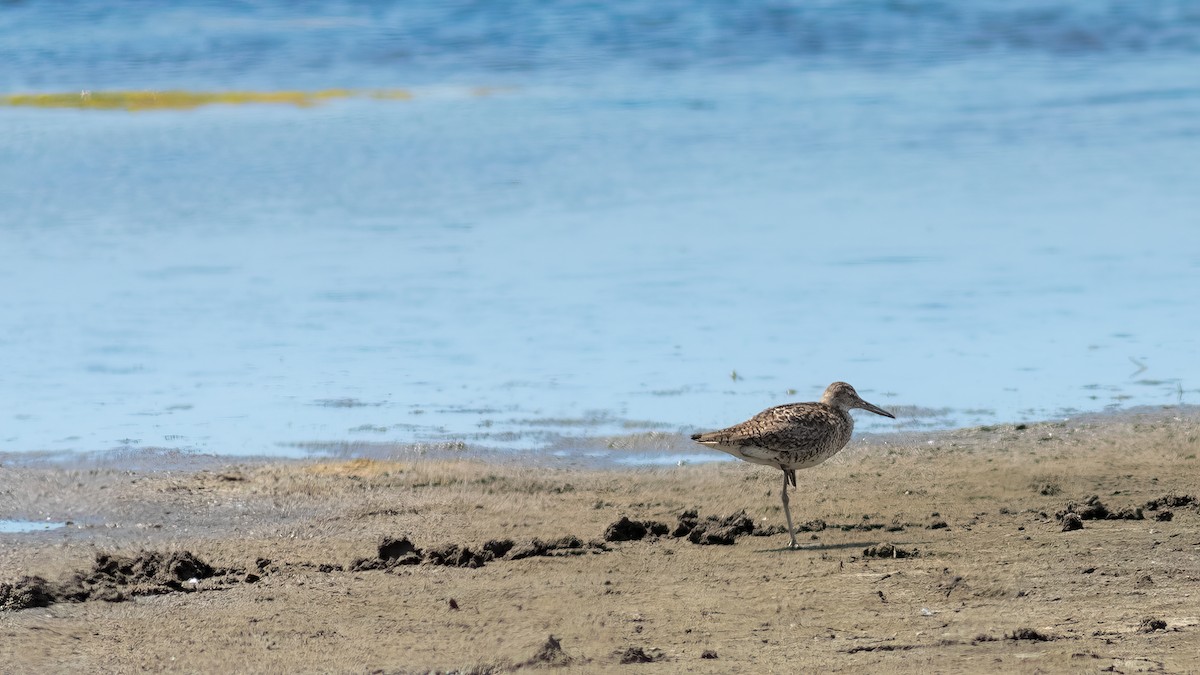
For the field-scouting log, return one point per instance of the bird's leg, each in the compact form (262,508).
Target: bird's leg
(787,512)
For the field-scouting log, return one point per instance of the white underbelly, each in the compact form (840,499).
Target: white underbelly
(773,458)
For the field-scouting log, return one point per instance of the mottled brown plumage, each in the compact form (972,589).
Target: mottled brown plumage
(794,435)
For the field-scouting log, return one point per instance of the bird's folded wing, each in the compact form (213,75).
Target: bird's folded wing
(784,426)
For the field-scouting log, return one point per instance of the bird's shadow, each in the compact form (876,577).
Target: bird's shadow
(819,547)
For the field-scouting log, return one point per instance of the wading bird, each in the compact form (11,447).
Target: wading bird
(794,435)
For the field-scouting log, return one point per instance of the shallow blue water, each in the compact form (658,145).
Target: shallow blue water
(20,526)
(665,216)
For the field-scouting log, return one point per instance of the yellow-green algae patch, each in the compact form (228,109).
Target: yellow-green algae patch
(187,100)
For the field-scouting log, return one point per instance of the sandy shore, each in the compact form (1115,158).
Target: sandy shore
(278,567)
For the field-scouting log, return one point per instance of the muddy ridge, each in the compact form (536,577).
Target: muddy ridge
(1094,509)
(718,530)
(116,578)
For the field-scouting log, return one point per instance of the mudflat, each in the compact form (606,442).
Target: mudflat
(1058,547)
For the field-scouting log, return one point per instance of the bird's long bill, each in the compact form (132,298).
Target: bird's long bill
(875,409)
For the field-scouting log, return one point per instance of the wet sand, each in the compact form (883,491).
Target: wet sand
(461,565)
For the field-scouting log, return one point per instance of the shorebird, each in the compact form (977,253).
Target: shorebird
(794,435)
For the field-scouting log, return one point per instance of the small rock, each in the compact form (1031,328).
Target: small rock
(708,654)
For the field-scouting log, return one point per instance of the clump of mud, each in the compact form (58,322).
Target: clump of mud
(550,654)
(1171,501)
(397,552)
(115,578)
(637,655)
(1047,489)
(563,546)
(1028,634)
(721,531)
(724,530)
(392,552)
(1094,509)
(625,529)
(24,593)
(1151,624)
(686,522)
(498,547)
(1071,522)
(886,550)
(454,555)
(402,551)
(819,525)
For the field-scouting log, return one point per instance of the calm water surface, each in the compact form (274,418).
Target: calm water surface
(592,227)
(22,526)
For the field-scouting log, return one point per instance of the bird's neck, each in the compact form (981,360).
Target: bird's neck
(844,413)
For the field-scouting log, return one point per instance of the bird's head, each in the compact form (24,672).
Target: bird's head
(842,395)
